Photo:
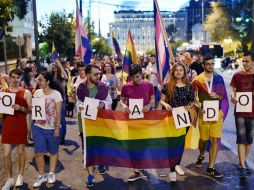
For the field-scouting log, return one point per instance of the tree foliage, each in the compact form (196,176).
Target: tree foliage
(100,47)
(219,23)
(10,8)
(56,29)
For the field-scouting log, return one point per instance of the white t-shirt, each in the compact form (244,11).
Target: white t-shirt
(151,69)
(50,100)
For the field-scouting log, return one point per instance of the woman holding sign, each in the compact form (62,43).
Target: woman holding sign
(14,130)
(177,92)
(46,133)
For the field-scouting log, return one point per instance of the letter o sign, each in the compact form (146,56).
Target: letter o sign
(6,100)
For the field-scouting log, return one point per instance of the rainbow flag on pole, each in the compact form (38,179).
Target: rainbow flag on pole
(150,142)
(54,54)
(130,56)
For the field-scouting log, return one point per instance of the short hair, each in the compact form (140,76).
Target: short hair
(152,55)
(16,72)
(80,64)
(89,67)
(207,57)
(249,53)
(135,69)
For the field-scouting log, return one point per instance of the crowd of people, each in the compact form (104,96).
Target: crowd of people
(65,85)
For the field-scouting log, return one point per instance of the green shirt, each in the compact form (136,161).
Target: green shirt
(92,92)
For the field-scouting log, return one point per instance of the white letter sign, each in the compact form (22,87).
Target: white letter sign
(38,110)
(181,117)
(244,102)
(136,107)
(211,110)
(6,102)
(90,108)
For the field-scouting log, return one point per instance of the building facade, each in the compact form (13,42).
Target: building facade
(141,24)
(25,28)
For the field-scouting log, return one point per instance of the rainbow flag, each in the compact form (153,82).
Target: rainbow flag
(150,142)
(54,54)
(130,56)
(116,46)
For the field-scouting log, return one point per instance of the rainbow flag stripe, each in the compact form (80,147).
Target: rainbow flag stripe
(150,142)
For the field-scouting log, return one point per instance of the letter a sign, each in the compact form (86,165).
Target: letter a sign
(38,110)
(136,107)
(6,102)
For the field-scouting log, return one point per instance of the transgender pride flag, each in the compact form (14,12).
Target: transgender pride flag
(82,45)
(161,45)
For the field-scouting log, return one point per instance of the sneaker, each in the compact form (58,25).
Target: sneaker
(30,141)
(51,178)
(179,170)
(90,181)
(243,172)
(8,184)
(40,180)
(199,161)
(102,169)
(214,173)
(20,181)
(172,176)
(134,177)
(247,169)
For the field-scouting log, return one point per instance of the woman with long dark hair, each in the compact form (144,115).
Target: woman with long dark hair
(28,82)
(176,93)
(46,133)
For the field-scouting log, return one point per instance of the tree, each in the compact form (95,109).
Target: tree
(242,14)
(219,24)
(56,29)
(100,47)
(10,8)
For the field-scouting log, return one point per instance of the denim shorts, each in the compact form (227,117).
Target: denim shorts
(45,141)
(244,130)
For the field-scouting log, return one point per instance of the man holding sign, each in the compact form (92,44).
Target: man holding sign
(93,88)
(14,127)
(210,87)
(136,89)
(242,85)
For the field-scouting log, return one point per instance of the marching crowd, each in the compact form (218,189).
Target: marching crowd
(65,85)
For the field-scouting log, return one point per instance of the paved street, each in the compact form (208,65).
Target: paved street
(71,175)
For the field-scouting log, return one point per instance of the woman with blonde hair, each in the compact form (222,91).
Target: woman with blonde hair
(185,59)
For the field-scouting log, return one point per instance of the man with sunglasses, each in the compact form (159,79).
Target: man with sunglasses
(92,87)
(210,86)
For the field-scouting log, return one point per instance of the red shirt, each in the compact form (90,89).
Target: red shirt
(144,91)
(243,82)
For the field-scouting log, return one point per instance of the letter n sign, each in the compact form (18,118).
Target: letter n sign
(181,117)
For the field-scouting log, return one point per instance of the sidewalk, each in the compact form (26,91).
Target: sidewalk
(71,175)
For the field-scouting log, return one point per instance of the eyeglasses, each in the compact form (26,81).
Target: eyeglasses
(209,64)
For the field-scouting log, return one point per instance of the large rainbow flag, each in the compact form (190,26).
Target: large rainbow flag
(150,142)
(130,56)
